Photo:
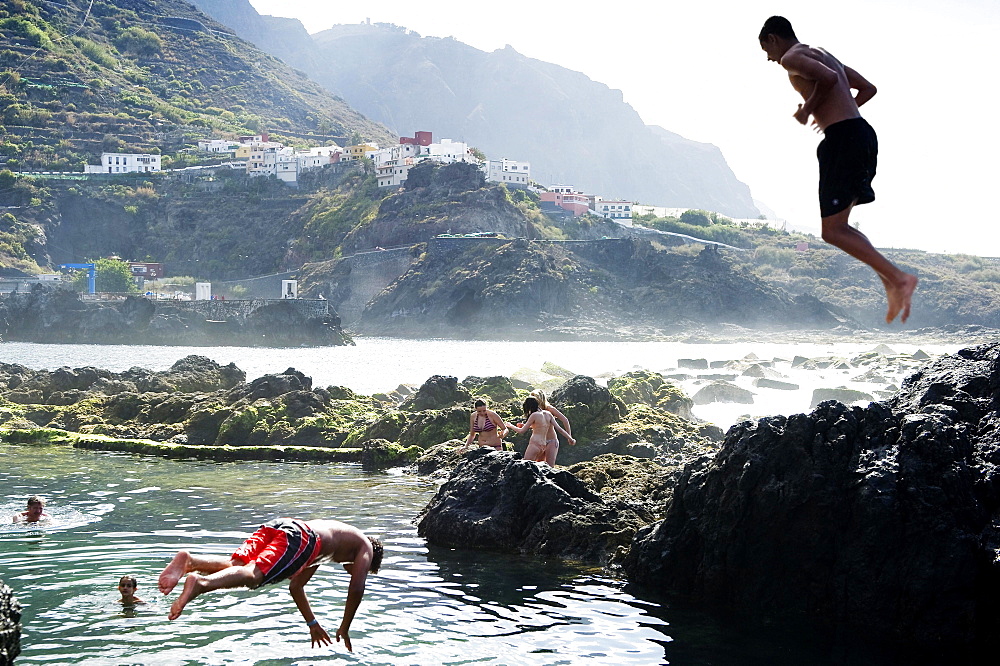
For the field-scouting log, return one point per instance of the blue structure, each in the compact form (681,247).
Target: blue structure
(91,275)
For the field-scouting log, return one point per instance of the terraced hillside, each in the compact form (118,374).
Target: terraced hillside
(78,78)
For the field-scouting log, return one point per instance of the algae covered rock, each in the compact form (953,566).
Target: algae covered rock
(437,392)
(589,407)
(651,388)
(495,501)
(634,481)
(272,386)
(498,389)
(380,454)
(199,374)
(441,458)
(430,427)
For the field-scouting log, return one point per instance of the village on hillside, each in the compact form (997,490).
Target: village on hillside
(258,155)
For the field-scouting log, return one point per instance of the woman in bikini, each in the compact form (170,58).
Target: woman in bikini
(539,421)
(485,424)
(551,441)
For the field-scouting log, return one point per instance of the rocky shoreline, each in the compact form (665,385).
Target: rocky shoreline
(58,315)
(882,519)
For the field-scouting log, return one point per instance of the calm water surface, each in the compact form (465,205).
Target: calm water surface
(115,514)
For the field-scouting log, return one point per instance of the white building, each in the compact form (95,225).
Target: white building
(392,165)
(283,163)
(263,160)
(510,172)
(125,163)
(448,151)
(218,146)
(619,211)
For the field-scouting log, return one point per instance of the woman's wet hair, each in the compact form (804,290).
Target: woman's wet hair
(530,405)
(376,555)
(480,403)
(539,395)
(129,578)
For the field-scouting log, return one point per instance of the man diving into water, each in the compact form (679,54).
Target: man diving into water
(847,154)
(282,548)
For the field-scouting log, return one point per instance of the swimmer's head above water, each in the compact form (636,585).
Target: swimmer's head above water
(34,511)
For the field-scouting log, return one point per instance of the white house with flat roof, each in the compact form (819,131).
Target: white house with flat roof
(510,172)
(125,163)
(619,211)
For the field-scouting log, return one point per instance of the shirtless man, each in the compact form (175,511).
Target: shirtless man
(34,511)
(847,154)
(282,548)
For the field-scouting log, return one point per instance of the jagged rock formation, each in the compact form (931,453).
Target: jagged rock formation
(58,315)
(884,518)
(603,289)
(10,626)
(494,501)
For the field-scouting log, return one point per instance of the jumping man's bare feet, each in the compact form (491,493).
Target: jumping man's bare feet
(192,588)
(173,572)
(899,297)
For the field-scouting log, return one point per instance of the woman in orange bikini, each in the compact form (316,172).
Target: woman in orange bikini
(485,424)
(539,421)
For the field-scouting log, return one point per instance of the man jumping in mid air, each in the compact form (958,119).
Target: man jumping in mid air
(282,548)
(847,154)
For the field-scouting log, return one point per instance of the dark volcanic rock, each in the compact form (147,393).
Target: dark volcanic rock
(10,626)
(271,386)
(48,314)
(495,501)
(884,518)
(588,406)
(437,392)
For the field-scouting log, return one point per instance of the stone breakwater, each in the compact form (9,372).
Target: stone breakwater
(58,315)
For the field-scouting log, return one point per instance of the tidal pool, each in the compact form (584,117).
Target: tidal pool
(115,514)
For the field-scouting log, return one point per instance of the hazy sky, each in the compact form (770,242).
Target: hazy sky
(695,68)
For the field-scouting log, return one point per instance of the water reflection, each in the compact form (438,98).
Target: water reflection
(446,607)
(426,606)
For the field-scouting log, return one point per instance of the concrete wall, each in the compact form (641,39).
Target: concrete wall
(371,272)
(240,310)
(265,286)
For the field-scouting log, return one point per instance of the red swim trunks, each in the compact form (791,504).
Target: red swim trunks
(280,548)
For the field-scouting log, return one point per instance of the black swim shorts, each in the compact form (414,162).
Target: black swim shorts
(847,158)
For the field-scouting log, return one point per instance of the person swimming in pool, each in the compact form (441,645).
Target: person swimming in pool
(279,549)
(34,512)
(127,585)
(485,424)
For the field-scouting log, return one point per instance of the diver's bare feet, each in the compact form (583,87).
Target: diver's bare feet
(192,588)
(899,297)
(173,571)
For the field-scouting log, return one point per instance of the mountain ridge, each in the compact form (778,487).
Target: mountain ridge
(583,133)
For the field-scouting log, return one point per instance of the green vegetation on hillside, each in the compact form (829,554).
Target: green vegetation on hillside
(111,276)
(953,288)
(154,77)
